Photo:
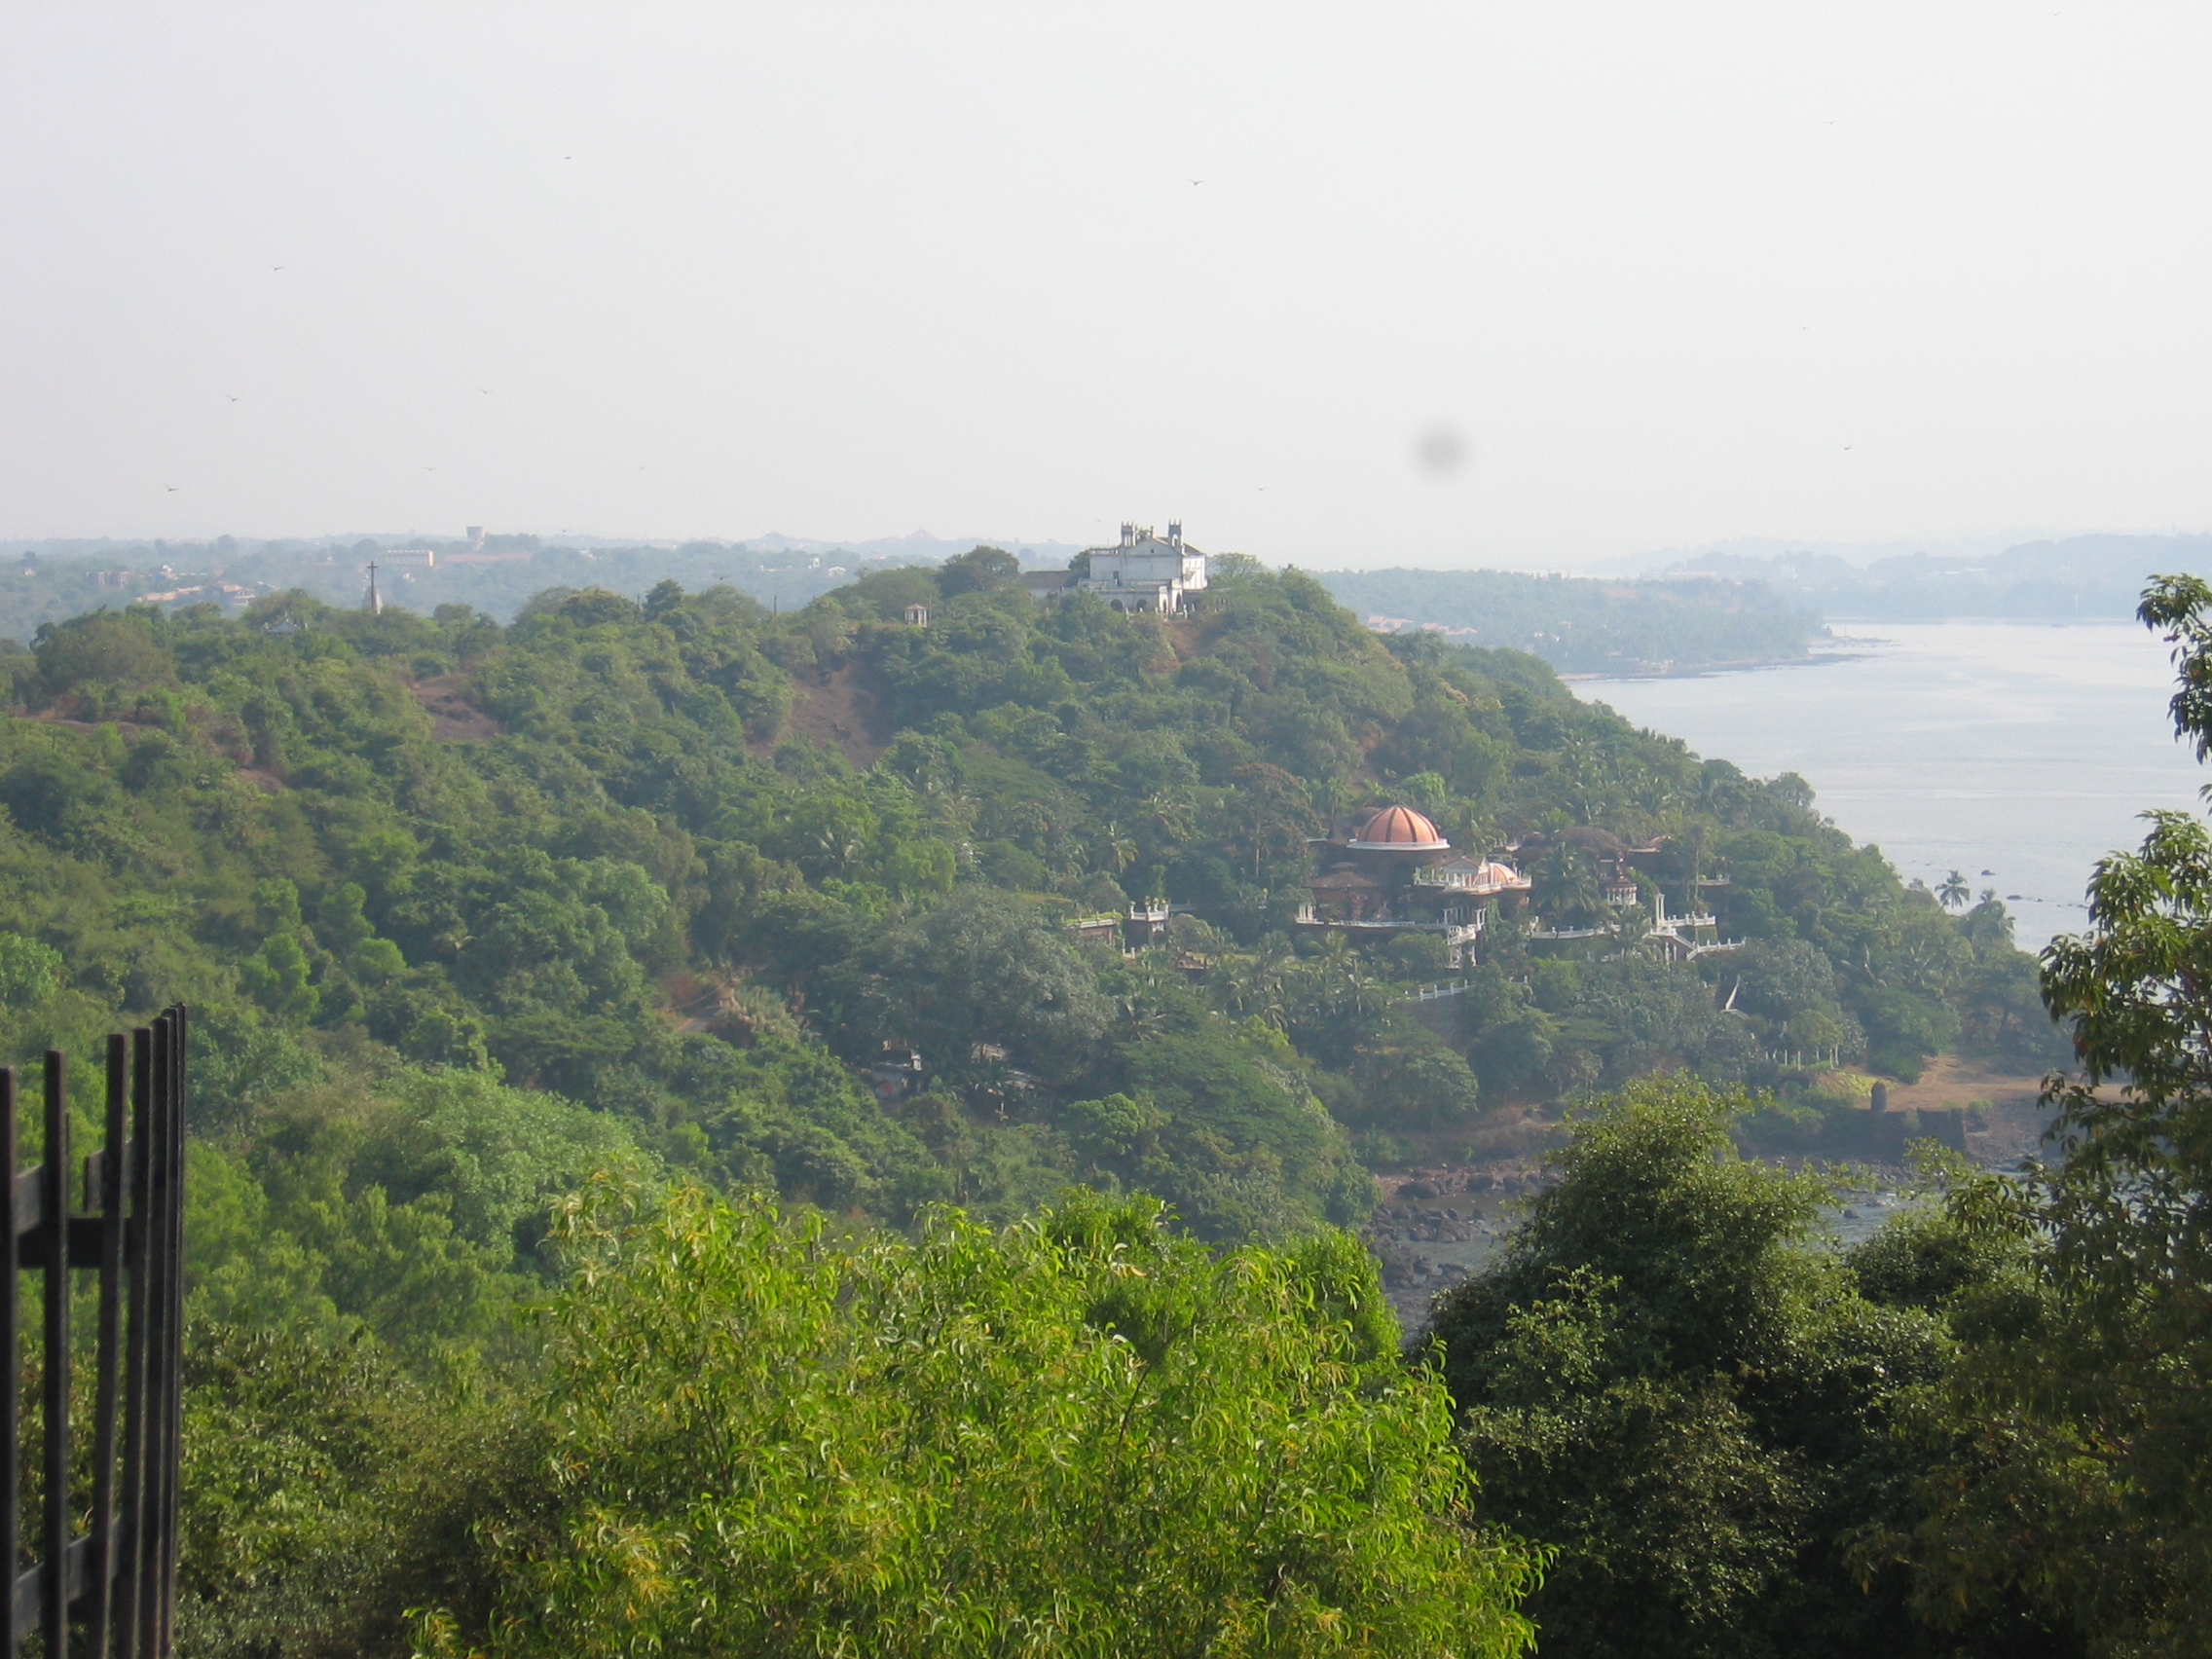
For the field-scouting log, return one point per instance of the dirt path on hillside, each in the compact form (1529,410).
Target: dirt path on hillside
(841,711)
(452,718)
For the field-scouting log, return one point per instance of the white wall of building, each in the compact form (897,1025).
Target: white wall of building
(1147,572)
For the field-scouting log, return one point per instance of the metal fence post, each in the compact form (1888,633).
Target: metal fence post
(112,1590)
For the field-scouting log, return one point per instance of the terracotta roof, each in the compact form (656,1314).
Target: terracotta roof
(1337,878)
(1397,829)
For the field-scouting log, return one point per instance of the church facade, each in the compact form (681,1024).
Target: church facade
(1142,572)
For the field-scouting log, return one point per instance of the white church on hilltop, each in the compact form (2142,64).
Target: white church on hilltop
(1143,571)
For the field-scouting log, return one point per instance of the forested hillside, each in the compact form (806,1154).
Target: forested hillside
(779,905)
(1588,625)
(698,866)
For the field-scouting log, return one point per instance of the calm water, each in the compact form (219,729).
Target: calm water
(2016,752)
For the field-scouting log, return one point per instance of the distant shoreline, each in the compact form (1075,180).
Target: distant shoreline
(1978,616)
(1708,670)
(1815,658)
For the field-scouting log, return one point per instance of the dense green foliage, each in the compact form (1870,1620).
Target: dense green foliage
(1587,625)
(2079,1473)
(1985,1429)
(260,816)
(398,1200)
(1668,1376)
(778,906)
(1078,1435)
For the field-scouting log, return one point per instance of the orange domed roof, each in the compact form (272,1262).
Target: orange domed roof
(1397,829)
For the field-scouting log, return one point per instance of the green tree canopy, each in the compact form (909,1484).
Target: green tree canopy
(2078,1469)
(977,567)
(1664,1375)
(1076,1435)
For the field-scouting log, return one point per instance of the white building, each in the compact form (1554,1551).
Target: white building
(1146,571)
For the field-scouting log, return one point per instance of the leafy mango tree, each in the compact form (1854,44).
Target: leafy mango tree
(1078,1435)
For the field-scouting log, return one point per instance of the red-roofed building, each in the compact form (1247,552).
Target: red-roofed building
(1393,871)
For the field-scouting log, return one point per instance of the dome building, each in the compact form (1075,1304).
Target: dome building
(1397,829)
(1394,872)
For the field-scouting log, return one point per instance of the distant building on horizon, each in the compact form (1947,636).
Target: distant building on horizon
(1142,572)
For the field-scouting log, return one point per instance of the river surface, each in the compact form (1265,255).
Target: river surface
(2018,753)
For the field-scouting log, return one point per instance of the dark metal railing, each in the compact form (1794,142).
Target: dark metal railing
(113,1583)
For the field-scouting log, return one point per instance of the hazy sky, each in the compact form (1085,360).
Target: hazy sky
(1539,283)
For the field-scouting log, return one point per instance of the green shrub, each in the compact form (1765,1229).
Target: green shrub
(1079,1435)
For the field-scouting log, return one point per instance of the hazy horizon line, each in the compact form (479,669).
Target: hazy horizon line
(923,541)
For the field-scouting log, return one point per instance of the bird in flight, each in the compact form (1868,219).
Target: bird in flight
(233,396)
(1197,182)
(170,487)
(484,389)
(276,267)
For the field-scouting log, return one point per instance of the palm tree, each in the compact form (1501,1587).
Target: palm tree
(840,849)
(1239,979)
(1169,817)
(1364,992)
(1567,885)
(1254,988)
(1329,796)
(1954,892)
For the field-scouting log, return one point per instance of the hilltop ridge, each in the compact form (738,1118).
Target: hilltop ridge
(467,843)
